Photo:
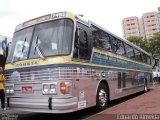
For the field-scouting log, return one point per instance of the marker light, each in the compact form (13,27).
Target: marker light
(65,87)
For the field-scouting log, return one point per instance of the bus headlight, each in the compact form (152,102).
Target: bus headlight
(52,88)
(49,88)
(9,89)
(45,88)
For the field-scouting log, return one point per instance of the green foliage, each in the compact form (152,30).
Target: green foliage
(155,44)
(151,45)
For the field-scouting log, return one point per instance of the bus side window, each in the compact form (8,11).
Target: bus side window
(144,57)
(129,51)
(101,39)
(81,45)
(138,56)
(106,42)
(149,60)
(118,47)
(97,38)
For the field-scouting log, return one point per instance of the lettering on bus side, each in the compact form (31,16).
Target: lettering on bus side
(30,63)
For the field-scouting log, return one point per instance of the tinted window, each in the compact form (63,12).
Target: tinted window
(83,45)
(129,51)
(118,46)
(137,55)
(148,59)
(107,42)
(144,57)
(101,39)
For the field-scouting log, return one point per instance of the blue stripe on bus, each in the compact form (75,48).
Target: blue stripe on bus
(102,59)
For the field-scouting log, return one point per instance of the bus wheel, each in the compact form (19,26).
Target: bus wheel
(145,86)
(102,98)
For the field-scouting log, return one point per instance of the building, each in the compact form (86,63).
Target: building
(151,23)
(131,26)
(146,26)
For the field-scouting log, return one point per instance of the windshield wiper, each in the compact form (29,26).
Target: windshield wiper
(23,45)
(39,50)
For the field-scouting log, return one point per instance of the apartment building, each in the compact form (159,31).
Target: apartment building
(151,23)
(130,26)
(146,26)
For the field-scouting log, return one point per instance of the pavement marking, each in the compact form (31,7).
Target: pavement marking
(110,108)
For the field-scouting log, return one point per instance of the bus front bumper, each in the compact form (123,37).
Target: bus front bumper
(45,105)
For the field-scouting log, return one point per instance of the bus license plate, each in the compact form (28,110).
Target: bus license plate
(27,89)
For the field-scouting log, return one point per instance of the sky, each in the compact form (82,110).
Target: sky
(106,13)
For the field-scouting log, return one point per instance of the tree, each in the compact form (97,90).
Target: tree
(155,45)
(140,41)
(151,45)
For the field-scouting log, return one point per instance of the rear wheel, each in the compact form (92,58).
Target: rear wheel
(102,97)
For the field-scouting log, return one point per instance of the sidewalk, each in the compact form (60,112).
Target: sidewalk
(145,104)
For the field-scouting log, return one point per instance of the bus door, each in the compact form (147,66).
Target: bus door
(121,80)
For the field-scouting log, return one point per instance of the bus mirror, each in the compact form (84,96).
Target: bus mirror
(8,48)
(156,63)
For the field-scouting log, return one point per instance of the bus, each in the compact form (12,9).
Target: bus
(61,63)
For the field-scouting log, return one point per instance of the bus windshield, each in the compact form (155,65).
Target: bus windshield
(51,38)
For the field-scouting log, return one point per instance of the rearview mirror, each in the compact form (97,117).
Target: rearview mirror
(156,63)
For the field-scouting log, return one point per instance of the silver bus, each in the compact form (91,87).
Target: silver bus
(61,62)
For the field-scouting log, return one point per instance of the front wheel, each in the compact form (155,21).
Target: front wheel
(102,97)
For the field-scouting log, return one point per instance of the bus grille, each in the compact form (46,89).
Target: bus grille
(49,74)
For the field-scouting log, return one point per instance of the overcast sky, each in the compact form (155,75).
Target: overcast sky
(106,13)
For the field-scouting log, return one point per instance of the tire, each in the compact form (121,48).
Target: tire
(102,98)
(145,86)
